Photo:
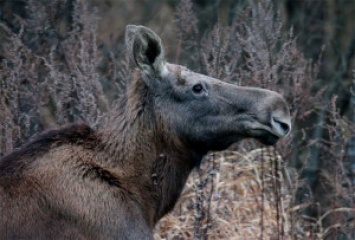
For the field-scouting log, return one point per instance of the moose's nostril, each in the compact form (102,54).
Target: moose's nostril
(283,128)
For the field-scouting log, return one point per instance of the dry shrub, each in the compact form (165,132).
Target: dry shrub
(248,198)
(49,74)
(20,95)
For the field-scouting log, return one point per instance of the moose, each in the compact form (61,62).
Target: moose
(117,180)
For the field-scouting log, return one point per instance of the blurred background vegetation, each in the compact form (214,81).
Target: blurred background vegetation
(62,61)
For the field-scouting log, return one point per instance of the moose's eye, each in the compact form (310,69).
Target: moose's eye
(198,88)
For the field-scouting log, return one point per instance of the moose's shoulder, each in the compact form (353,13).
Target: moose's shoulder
(75,134)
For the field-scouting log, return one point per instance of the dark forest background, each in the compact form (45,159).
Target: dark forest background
(63,61)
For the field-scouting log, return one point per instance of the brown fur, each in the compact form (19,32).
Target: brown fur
(117,182)
(79,134)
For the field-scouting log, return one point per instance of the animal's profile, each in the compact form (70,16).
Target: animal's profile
(116,182)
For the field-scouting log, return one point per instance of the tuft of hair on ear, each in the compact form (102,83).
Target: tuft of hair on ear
(153,50)
(145,49)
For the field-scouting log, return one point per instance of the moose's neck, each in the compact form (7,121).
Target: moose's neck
(146,154)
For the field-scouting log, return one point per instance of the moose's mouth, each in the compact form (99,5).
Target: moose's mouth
(270,133)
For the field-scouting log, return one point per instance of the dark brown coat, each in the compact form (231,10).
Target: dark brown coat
(118,181)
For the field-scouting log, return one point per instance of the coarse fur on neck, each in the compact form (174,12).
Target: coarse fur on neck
(138,141)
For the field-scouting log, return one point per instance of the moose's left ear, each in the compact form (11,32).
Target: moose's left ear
(146,49)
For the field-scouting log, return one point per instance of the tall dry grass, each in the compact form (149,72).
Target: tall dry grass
(244,195)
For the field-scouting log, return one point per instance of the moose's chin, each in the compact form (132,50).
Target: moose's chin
(264,136)
(221,144)
(268,138)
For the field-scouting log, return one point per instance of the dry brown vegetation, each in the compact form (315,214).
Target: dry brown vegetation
(234,196)
(52,72)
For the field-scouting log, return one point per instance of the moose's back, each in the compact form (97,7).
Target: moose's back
(53,188)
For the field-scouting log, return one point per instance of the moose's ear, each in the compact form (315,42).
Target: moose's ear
(145,47)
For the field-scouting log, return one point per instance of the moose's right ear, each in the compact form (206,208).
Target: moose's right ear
(145,47)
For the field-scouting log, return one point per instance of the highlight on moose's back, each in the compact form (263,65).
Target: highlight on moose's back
(119,180)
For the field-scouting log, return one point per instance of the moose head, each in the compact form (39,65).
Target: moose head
(202,111)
